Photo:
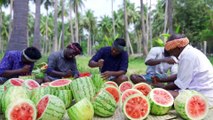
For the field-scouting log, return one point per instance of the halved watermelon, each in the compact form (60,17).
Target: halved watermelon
(21,109)
(45,84)
(13,82)
(136,107)
(111,83)
(127,93)
(191,105)
(125,85)
(161,101)
(143,87)
(114,91)
(61,84)
(31,84)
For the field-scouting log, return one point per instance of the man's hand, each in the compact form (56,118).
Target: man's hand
(25,69)
(106,75)
(68,74)
(169,60)
(155,79)
(100,63)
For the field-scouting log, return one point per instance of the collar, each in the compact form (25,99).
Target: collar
(184,51)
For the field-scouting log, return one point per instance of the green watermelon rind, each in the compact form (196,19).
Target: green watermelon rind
(19,101)
(64,87)
(132,96)
(66,97)
(156,108)
(104,104)
(110,86)
(82,110)
(38,93)
(183,98)
(54,110)
(109,83)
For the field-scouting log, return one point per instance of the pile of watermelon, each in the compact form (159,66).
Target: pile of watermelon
(84,97)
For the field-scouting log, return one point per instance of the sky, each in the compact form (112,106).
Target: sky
(99,7)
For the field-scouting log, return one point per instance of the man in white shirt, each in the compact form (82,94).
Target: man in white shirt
(158,64)
(195,72)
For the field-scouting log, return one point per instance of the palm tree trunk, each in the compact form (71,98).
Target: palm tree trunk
(59,41)
(37,34)
(170,25)
(18,40)
(113,20)
(11,19)
(165,19)
(150,23)
(46,35)
(71,27)
(55,39)
(1,42)
(144,40)
(76,24)
(62,20)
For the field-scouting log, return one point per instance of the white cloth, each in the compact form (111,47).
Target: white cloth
(195,72)
(162,68)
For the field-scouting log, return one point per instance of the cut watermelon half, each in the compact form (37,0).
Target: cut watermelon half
(127,93)
(143,87)
(22,109)
(125,85)
(161,101)
(63,84)
(84,74)
(111,83)
(31,84)
(45,84)
(136,107)
(114,91)
(13,82)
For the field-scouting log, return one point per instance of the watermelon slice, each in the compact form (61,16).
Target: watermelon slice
(114,91)
(84,74)
(31,84)
(127,93)
(61,84)
(50,107)
(125,85)
(143,87)
(21,109)
(161,101)
(45,84)
(13,82)
(82,110)
(192,105)
(111,83)
(136,107)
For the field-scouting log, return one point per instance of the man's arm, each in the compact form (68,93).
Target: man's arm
(96,60)
(153,62)
(107,74)
(170,78)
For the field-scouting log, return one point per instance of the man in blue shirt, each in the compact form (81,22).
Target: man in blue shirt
(112,61)
(62,64)
(18,63)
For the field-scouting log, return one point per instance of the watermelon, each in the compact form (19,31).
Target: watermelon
(143,87)
(161,101)
(1,94)
(27,77)
(104,104)
(38,93)
(31,84)
(111,83)
(114,91)
(21,109)
(125,85)
(136,107)
(192,105)
(12,94)
(83,87)
(127,93)
(82,110)
(60,84)
(50,107)
(13,82)
(65,96)
(97,82)
(45,84)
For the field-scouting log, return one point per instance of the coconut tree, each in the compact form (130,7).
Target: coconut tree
(169,15)
(18,39)
(55,39)
(71,23)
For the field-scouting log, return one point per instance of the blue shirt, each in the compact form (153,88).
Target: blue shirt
(57,62)
(11,61)
(112,63)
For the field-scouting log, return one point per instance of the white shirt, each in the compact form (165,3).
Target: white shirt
(162,68)
(195,72)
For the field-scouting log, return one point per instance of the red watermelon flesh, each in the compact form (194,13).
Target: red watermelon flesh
(45,84)
(32,84)
(143,87)
(111,83)
(114,92)
(125,85)
(127,93)
(22,111)
(41,106)
(162,97)
(136,106)
(196,107)
(14,82)
(85,74)
(60,82)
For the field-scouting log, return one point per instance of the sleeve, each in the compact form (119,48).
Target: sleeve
(124,62)
(174,69)
(74,68)
(185,73)
(52,62)
(153,53)
(98,55)
(6,63)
